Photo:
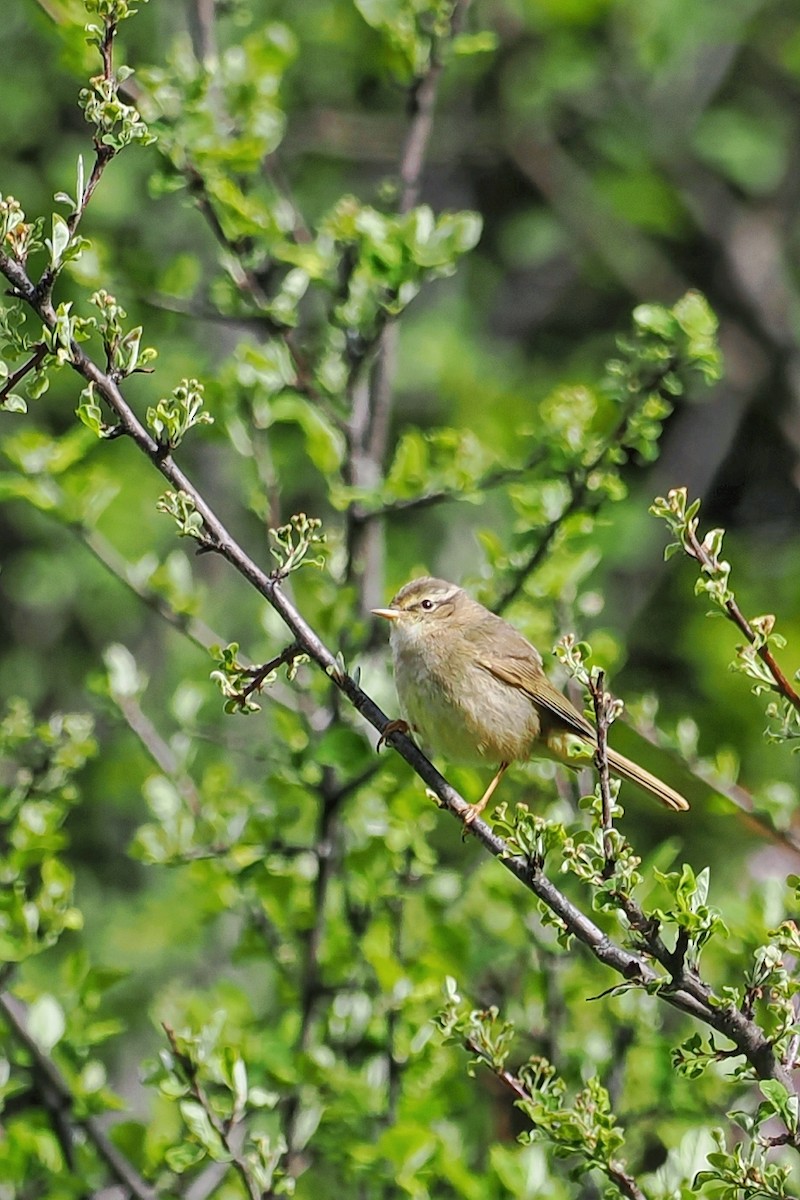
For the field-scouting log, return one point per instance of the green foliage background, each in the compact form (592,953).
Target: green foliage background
(617,154)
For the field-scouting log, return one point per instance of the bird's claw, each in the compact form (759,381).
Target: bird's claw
(398,726)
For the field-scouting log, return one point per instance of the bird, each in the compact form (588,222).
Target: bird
(475,691)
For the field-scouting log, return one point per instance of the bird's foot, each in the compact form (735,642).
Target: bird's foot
(473,811)
(398,726)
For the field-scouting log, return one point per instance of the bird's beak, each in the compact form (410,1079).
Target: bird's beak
(389,614)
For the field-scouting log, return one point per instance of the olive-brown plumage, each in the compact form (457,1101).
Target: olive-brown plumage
(475,690)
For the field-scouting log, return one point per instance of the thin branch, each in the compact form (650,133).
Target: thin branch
(368,432)
(422,105)
(17,376)
(603,713)
(159,750)
(396,907)
(632,258)
(614,1169)
(248,283)
(739,796)
(202,29)
(259,674)
(196,630)
(709,562)
(582,497)
(15,1014)
(103,155)
(223,1129)
(494,478)
(325,851)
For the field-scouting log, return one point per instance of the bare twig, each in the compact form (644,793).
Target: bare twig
(15,1014)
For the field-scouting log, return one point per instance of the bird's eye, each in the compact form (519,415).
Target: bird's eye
(427,605)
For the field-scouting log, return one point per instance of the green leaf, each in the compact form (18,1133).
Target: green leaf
(46,1022)
(59,240)
(324,443)
(199,1124)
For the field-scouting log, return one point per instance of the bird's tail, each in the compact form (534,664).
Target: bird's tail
(623,766)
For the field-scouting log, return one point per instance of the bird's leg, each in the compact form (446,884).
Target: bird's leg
(398,726)
(474,810)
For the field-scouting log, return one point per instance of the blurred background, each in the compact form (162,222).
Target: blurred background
(617,152)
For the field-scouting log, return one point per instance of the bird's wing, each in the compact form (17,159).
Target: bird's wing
(523,672)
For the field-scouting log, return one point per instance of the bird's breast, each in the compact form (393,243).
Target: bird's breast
(459,708)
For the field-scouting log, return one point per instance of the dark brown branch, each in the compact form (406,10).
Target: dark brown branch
(259,674)
(14,1013)
(581,496)
(17,376)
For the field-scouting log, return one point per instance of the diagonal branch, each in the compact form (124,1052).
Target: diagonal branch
(13,1011)
(613,1168)
(710,563)
(36,359)
(582,496)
